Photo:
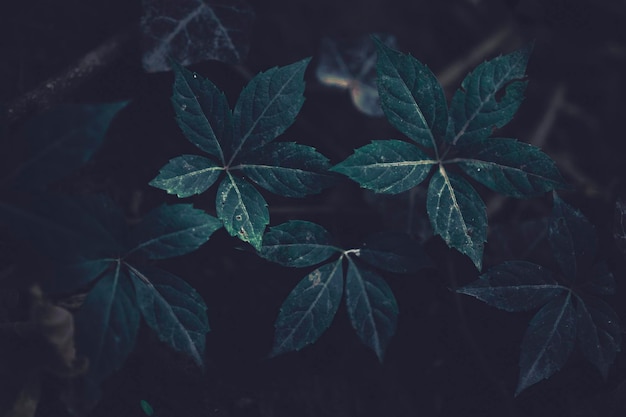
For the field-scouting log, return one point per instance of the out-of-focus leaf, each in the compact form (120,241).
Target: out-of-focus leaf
(288,169)
(372,308)
(525,241)
(243,210)
(297,243)
(173,309)
(394,252)
(187,175)
(515,286)
(387,166)
(619,225)
(191,31)
(309,309)
(477,107)
(457,214)
(548,342)
(174,230)
(411,96)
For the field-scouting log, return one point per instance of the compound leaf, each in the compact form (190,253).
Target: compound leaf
(309,309)
(515,286)
(242,209)
(187,175)
(202,112)
(372,308)
(548,342)
(387,166)
(173,230)
(173,309)
(411,96)
(394,252)
(457,214)
(288,169)
(477,107)
(509,167)
(191,31)
(297,243)
(267,106)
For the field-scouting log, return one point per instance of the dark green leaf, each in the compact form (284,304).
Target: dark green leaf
(287,169)
(598,332)
(174,230)
(63,139)
(573,239)
(515,286)
(387,166)
(394,252)
(600,280)
(457,214)
(309,309)
(477,107)
(202,112)
(297,243)
(372,308)
(548,342)
(509,167)
(411,96)
(77,274)
(173,309)
(267,106)
(187,175)
(619,225)
(242,210)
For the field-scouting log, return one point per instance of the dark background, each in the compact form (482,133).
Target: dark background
(451,356)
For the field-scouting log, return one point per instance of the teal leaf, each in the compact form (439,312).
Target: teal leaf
(477,107)
(600,280)
(173,309)
(61,140)
(411,96)
(187,175)
(173,230)
(387,166)
(192,31)
(202,111)
(457,214)
(572,238)
(372,308)
(267,106)
(509,167)
(548,342)
(309,309)
(287,169)
(394,252)
(77,274)
(297,244)
(242,209)
(515,286)
(598,333)
(106,328)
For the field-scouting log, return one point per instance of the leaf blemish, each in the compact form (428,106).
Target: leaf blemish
(315,277)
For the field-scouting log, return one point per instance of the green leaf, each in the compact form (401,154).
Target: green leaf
(509,167)
(548,342)
(187,175)
(477,107)
(242,210)
(387,166)
(63,139)
(202,111)
(457,214)
(411,96)
(173,309)
(372,308)
(174,230)
(515,286)
(106,328)
(598,332)
(394,252)
(287,169)
(297,243)
(573,240)
(267,106)
(309,309)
